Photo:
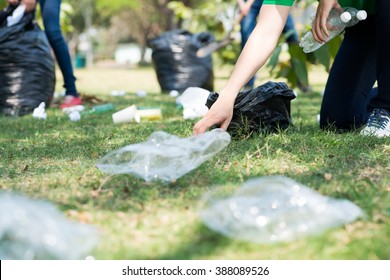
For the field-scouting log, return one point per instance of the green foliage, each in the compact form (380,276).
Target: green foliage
(108,8)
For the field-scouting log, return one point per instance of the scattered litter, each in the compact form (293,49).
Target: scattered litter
(173,93)
(74,116)
(132,114)
(273,209)
(78,108)
(39,112)
(164,157)
(141,93)
(193,101)
(36,229)
(150,114)
(128,114)
(118,93)
(98,109)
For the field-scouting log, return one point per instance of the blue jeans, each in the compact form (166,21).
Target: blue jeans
(362,59)
(248,23)
(51,20)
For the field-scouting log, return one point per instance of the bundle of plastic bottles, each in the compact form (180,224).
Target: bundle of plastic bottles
(337,21)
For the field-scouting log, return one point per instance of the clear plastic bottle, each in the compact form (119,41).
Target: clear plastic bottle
(337,21)
(357,15)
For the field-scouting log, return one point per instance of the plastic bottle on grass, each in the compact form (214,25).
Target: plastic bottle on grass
(337,21)
(98,109)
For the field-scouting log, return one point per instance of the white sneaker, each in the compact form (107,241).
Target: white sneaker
(378,124)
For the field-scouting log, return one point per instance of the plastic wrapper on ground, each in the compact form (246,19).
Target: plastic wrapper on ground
(175,61)
(27,75)
(273,209)
(193,101)
(36,229)
(164,157)
(265,108)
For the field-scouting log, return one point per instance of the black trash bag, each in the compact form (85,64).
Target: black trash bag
(27,75)
(176,64)
(265,108)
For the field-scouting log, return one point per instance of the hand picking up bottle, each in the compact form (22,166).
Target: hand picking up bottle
(337,21)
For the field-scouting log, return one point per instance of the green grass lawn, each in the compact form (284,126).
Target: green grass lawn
(55,160)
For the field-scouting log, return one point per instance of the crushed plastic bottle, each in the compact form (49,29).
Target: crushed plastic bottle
(36,229)
(337,22)
(272,209)
(164,157)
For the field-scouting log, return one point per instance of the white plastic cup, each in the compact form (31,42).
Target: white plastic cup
(126,115)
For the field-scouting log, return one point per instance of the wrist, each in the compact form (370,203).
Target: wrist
(229,96)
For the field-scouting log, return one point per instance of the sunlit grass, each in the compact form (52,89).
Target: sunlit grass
(55,160)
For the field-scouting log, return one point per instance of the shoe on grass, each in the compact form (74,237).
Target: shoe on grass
(70,101)
(378,124)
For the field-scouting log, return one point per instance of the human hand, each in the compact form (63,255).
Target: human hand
(244,7)
(29,4)
(220,113)
(320,28)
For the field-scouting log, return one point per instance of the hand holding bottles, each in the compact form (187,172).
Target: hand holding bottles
(336,22)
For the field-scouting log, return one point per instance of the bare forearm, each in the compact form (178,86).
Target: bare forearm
(258,48)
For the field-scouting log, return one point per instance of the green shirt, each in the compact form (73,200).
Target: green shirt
(368,5)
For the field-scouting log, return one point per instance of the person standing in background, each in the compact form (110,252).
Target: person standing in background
(51,19)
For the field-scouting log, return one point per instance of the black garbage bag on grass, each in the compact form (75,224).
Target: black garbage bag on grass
(265,108)
(27,75)
(176,64)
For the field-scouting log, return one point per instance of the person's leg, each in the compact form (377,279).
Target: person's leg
(378,123)
(248,23)
(51,19)
(290,31)
(382,100)
(353,73)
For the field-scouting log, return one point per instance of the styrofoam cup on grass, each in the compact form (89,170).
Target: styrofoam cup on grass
(128,114)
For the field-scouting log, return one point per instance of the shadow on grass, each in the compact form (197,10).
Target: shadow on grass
(200,245)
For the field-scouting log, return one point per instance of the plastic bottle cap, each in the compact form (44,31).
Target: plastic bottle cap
(345,17)
(361,15)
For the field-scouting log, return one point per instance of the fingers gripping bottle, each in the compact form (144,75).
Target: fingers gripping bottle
(337,21)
